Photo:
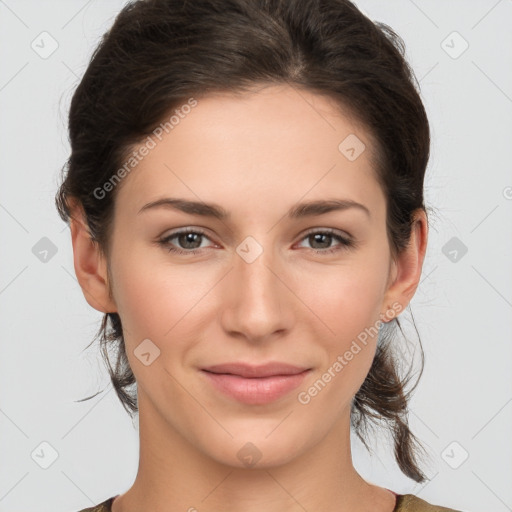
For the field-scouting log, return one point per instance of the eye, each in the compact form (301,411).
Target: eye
(325,237)
(189,238)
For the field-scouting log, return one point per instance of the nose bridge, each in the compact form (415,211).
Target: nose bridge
(258,300)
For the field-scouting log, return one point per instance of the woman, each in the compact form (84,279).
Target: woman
(245,197)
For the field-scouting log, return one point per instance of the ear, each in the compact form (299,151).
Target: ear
(406,268)
(90,264)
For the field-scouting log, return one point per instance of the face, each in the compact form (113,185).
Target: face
(269,282)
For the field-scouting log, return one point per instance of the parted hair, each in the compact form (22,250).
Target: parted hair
(159,53)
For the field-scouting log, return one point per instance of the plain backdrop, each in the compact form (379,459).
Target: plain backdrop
(60,455)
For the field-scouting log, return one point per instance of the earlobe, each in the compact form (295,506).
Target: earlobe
(90,264)
(408,265)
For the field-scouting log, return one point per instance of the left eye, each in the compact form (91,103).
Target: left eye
(325,237)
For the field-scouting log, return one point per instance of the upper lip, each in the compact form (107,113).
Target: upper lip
(250,370)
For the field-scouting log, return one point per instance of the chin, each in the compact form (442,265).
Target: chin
(256,449)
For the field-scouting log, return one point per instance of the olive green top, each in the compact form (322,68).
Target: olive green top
(404,503)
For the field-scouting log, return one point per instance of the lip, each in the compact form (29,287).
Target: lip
(255,385)
(250,370)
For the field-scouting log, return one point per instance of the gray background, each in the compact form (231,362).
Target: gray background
(462,409)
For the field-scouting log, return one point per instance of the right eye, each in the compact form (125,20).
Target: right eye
(185,237)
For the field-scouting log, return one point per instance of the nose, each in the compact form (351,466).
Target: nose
(258,298)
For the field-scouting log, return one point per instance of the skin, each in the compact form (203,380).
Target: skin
(256,155)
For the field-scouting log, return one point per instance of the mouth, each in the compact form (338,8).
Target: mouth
(255,385)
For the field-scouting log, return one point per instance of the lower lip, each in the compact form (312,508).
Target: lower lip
(255,391)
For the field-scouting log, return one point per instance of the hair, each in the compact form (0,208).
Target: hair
(159,53)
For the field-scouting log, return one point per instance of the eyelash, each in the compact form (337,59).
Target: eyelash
(346,243)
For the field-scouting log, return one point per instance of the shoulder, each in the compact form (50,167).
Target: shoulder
(411,503)
(105,506)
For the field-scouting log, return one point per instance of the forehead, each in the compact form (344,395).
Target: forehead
(277,143)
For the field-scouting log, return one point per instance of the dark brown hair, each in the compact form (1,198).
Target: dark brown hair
(159,53)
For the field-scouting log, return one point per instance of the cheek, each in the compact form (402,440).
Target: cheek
(350,308)
(139,302)
(158,300)
(346,299)
(154,305)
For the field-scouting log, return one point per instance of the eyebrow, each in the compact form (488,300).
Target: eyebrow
(301,210)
